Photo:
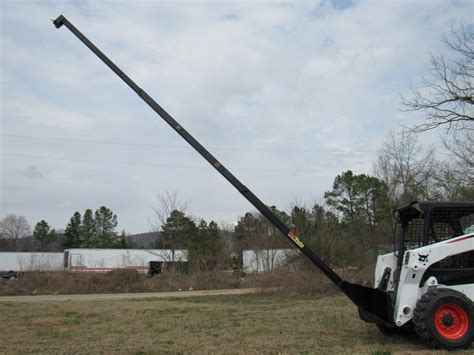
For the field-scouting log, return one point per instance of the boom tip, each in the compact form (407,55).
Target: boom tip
(59,21)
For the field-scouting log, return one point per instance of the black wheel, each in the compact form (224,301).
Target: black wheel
(444,318)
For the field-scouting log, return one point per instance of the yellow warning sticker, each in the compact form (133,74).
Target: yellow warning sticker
(297,240)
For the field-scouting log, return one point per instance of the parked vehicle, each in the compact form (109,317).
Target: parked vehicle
(10,275)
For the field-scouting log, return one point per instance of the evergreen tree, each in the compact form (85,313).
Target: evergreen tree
(206,246)
(72,233)
(302,222)
(358,197)
(179,232)
(43,234)
(214,244)
(201,240)
(247,229)
(125,242)
(362,202)
(88,230)
(254,231)
(105,224)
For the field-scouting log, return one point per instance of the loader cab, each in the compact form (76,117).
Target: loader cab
(427,223)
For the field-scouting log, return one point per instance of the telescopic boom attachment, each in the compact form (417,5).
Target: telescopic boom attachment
(374,302)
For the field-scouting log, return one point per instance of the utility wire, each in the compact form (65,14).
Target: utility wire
(160,165)
(184,147)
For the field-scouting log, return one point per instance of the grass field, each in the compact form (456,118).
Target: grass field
(218,324)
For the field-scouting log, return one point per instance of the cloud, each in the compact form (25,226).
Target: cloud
(32,172)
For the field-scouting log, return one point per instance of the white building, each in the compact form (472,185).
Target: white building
(154,261)
(24,261)
(144,260)
(267,259)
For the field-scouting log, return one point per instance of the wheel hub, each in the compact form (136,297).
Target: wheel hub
(447,320)
(451,321)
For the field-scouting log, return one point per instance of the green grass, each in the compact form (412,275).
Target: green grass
(267,323)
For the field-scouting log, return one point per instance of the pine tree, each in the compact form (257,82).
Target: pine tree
(72,233)
(125,242)
(198,250)
(178,232)
(105,222)
(43,234)
(214,242)
(88,230)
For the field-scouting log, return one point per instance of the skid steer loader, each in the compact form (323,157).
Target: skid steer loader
(426,285)
(430,275)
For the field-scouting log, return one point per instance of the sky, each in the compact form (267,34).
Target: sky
(286,95)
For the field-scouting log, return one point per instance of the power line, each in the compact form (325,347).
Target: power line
(160,165)
(185,147)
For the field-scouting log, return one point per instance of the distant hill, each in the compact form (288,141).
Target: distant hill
(144,240)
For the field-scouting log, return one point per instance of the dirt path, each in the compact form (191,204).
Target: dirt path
(120,296)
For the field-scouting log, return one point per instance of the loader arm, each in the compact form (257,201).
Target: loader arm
(376,303)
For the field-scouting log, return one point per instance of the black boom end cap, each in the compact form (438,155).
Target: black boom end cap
(59,21)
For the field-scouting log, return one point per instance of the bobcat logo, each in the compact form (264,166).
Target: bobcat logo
(423,258)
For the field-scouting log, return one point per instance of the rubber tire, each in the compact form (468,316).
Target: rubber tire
(423,318)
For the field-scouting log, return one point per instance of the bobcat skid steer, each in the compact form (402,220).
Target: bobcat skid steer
(431,274)
(427,284)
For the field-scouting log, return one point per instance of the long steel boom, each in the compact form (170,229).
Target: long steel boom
(362,296)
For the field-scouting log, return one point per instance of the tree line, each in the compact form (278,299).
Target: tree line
(351,225)
(202,240)
(92,230)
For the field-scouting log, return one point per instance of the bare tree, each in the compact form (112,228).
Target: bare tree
(405,167)
(265,259)
(452,183)
(455,176)
(14,227)
(461,146)
(447,94)
(167,202)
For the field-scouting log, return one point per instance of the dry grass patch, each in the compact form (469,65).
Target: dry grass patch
(119,281)
(221,324)
(125,281)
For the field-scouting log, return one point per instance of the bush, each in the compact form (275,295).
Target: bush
(125,277)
